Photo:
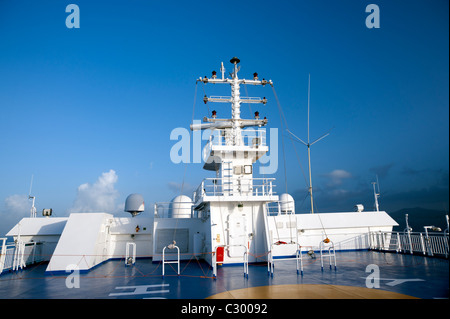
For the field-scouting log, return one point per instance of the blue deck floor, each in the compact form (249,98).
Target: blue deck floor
(415,276)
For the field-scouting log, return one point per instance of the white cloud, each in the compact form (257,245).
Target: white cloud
(337,177)
(18,204)
(98,197)
(15,208)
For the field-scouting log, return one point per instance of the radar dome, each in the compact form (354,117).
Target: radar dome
(180,207)
(134,204)
(287,203)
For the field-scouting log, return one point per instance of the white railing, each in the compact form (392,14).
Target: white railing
(430,244)
(280,208)
(235,187)
(6,255)
(15,256)
(174,210)
(252,138)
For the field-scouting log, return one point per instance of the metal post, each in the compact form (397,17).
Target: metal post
(2,254)
(129,261)
(408,231)
(382,241)
(214,262)
(422,244)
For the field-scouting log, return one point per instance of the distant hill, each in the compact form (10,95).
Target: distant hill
(419,217)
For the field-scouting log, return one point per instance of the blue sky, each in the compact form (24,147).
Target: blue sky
(88,112)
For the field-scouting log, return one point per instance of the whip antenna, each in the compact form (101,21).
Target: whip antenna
(33,209)
(308,145)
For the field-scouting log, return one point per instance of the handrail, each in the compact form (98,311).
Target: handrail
(18,261)
(171,246)
(331,252)
(7,252)
(245,257)
(275,209)
(298,258)
(219,138)
(409,242)
(238,187)
(168,209)
(2,254)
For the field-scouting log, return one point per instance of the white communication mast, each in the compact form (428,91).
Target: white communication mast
(376,194)
(235,123)
(33,208)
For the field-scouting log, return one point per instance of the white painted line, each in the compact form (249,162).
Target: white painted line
(140,290)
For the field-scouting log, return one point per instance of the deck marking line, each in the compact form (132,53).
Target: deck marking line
(140,290)
(395,282)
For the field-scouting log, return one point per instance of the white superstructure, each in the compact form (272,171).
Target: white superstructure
(232,218)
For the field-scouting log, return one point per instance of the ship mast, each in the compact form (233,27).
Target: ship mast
(232,151)
(235,123)
(235,104)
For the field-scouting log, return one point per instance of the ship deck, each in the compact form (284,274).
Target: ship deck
(400,277)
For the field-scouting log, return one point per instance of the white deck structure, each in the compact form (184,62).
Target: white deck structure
(233,218)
